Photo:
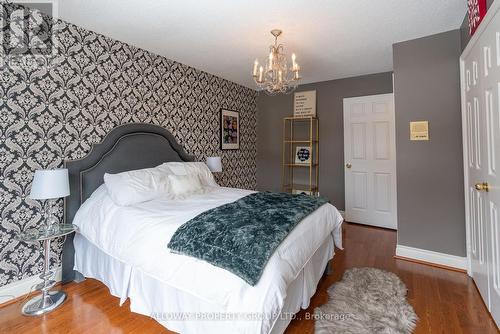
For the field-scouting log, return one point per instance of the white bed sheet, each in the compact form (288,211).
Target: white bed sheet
(138,236)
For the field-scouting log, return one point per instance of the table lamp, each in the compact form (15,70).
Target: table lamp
(49,185)
(214,164)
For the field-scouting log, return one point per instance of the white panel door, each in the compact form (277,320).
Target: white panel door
(480,70)
(370,160)
(476,166)
(490,87)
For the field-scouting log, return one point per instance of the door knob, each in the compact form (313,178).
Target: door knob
(348,165)
(482,186)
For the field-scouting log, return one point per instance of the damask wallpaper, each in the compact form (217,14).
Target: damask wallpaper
(56,110)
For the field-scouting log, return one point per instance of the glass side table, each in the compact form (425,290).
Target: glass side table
(48,300)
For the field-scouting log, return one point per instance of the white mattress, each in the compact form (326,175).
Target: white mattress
(137,236)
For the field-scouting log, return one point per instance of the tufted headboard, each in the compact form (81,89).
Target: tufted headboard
(126,147)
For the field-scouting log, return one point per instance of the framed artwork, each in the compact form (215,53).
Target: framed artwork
(303,155)
(230,129)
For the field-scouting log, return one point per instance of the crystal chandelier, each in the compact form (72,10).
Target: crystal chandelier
(276,77)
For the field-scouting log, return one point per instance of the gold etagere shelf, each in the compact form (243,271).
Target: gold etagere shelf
(297,176)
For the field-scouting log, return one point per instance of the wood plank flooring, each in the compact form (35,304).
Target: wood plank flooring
(446,301)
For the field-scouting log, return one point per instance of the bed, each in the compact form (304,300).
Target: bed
(125,247)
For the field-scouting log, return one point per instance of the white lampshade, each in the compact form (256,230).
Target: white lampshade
(214,164)
(49,184)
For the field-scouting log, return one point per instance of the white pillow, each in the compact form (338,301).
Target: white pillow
(181,185)
(191,168)
(204,173)
(176,168)
(136,186)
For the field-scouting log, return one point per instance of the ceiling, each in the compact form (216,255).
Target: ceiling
(332,39)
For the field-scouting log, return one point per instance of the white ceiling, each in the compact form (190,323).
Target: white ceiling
(332,39)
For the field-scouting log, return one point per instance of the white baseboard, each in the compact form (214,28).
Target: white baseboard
(19,288)
(432,257)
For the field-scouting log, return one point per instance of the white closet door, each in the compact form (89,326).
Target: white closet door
(490,72)
(370,160)
(481,114)
(477,165)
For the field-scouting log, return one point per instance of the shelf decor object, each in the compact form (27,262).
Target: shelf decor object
(304,104)
(300,155)
(303,155)
(277,77)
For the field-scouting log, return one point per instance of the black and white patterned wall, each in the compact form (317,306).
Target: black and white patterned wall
(93,84)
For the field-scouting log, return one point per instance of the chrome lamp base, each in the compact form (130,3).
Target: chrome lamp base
(48,300)
(43,303)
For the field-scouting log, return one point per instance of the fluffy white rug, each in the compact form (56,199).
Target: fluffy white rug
(366,301)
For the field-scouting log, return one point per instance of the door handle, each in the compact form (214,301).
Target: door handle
(482,186)
(348,165)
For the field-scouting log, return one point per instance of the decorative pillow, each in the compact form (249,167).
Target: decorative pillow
(136,186)
(191,168)
(181,185)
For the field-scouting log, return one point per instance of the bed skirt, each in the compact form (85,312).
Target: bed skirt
(181,311)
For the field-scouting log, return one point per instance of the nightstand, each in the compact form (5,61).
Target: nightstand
(48,300)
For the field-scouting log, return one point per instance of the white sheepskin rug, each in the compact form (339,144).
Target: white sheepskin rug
(366,301)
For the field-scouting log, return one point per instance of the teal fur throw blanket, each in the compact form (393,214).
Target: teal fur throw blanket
(241,236)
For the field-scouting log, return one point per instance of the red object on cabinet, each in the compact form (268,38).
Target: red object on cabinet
(476,10)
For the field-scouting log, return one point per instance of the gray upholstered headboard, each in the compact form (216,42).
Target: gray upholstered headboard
(127,147)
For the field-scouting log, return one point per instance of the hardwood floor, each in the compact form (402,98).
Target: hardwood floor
(445,301)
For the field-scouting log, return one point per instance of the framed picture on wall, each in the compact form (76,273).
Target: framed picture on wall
(230,129)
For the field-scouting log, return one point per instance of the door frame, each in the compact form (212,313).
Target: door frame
(393,129)
(465,150)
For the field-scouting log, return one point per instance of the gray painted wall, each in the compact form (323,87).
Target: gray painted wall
(330,95)
(430,173)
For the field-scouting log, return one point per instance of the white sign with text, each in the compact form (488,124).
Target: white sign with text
(304,104)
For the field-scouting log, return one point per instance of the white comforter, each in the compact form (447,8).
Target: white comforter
(139,234)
